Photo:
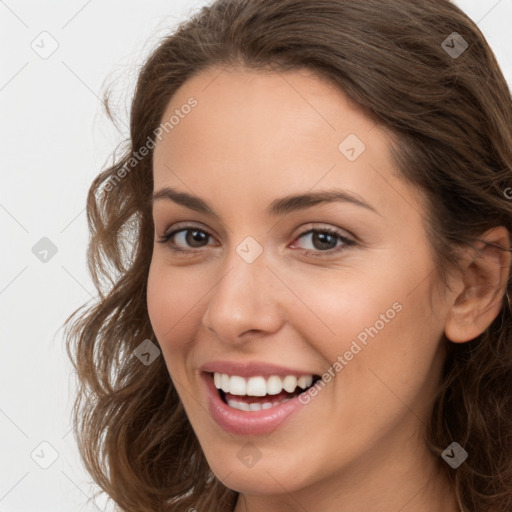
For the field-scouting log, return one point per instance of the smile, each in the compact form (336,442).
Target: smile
(258,402)
(257,393)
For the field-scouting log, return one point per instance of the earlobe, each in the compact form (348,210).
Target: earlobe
(484,281)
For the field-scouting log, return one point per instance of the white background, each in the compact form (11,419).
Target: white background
(55,140)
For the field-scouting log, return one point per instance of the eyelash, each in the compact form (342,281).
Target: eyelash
(347,243)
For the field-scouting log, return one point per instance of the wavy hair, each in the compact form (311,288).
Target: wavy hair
(451,119)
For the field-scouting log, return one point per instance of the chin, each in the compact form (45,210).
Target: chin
(243,467)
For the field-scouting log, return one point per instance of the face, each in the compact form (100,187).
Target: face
(258,291)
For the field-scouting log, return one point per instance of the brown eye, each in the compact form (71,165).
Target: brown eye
(324,241)
(184,239)
(195,237)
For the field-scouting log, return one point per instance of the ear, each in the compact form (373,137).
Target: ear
(483,283)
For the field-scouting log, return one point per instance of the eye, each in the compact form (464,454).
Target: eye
(192,236)
(324,241)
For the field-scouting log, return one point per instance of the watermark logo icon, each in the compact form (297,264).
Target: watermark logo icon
(249,455)
(45,45)
(454,45)
(147,352)
(454,455)
(352,147)
(249,249)
(44,455)
(44,250)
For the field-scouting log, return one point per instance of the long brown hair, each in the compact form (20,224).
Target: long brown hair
(450,111)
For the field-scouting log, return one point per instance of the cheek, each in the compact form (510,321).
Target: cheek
(345,305)
(380,320)
(173,301)
(396,364)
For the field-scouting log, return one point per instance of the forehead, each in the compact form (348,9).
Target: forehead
(280,109)
(264,133)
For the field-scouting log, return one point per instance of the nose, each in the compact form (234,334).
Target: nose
(244,302)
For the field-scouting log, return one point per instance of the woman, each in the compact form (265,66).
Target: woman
(308,243)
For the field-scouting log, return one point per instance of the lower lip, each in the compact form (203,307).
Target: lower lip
(248,423)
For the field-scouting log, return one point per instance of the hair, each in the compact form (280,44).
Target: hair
(451,121)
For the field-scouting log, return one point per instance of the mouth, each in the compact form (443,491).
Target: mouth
(258,392)
(255,405)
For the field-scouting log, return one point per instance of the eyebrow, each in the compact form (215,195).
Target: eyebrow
(277,207)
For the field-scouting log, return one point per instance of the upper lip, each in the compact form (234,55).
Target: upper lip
(251,369)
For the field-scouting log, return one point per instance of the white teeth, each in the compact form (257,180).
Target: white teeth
(243,406)
(290,383)
(259,386)
(256,386)
(237,385)
(225,382)
(305,381)
(274,385)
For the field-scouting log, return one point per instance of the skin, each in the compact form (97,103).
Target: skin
(357,446)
